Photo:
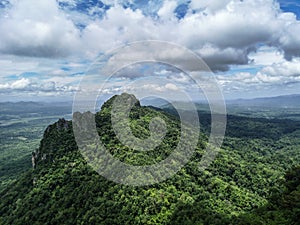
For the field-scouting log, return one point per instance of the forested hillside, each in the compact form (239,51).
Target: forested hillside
(254,180)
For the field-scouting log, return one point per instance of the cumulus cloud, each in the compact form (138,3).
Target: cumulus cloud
(155,87)
(211,6)
(166,12)
(289,41)
(28,86)
(37,28)
(20,84)
(222,32)
(275,75)
(16,85)
(118,27)
(133,88)
(266,56)
(221,59)
(285,69)
(172,87)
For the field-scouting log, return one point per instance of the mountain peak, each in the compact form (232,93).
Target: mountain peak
(123,98)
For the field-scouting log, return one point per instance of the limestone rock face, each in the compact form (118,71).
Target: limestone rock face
(57,140)
(33,159)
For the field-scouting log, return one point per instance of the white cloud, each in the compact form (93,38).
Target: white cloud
(37,28)
(147,85)
(118,27)
(287,69)
(231,29)
(166,12)
(20,84)
(210,6)
(276,75)
(171,87)
(289,41)
(181,78)
(224,33)
(266,56)
(26,86)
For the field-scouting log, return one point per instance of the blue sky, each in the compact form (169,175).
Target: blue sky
(46,47)
(291,6)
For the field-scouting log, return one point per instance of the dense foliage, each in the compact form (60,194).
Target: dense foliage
(254,179)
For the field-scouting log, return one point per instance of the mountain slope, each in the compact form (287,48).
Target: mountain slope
(64,189)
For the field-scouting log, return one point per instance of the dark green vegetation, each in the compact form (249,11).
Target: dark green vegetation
(254,180)
(21,128)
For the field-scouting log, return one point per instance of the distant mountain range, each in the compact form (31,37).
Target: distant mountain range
(23,108)
(285,101)
(153,101)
